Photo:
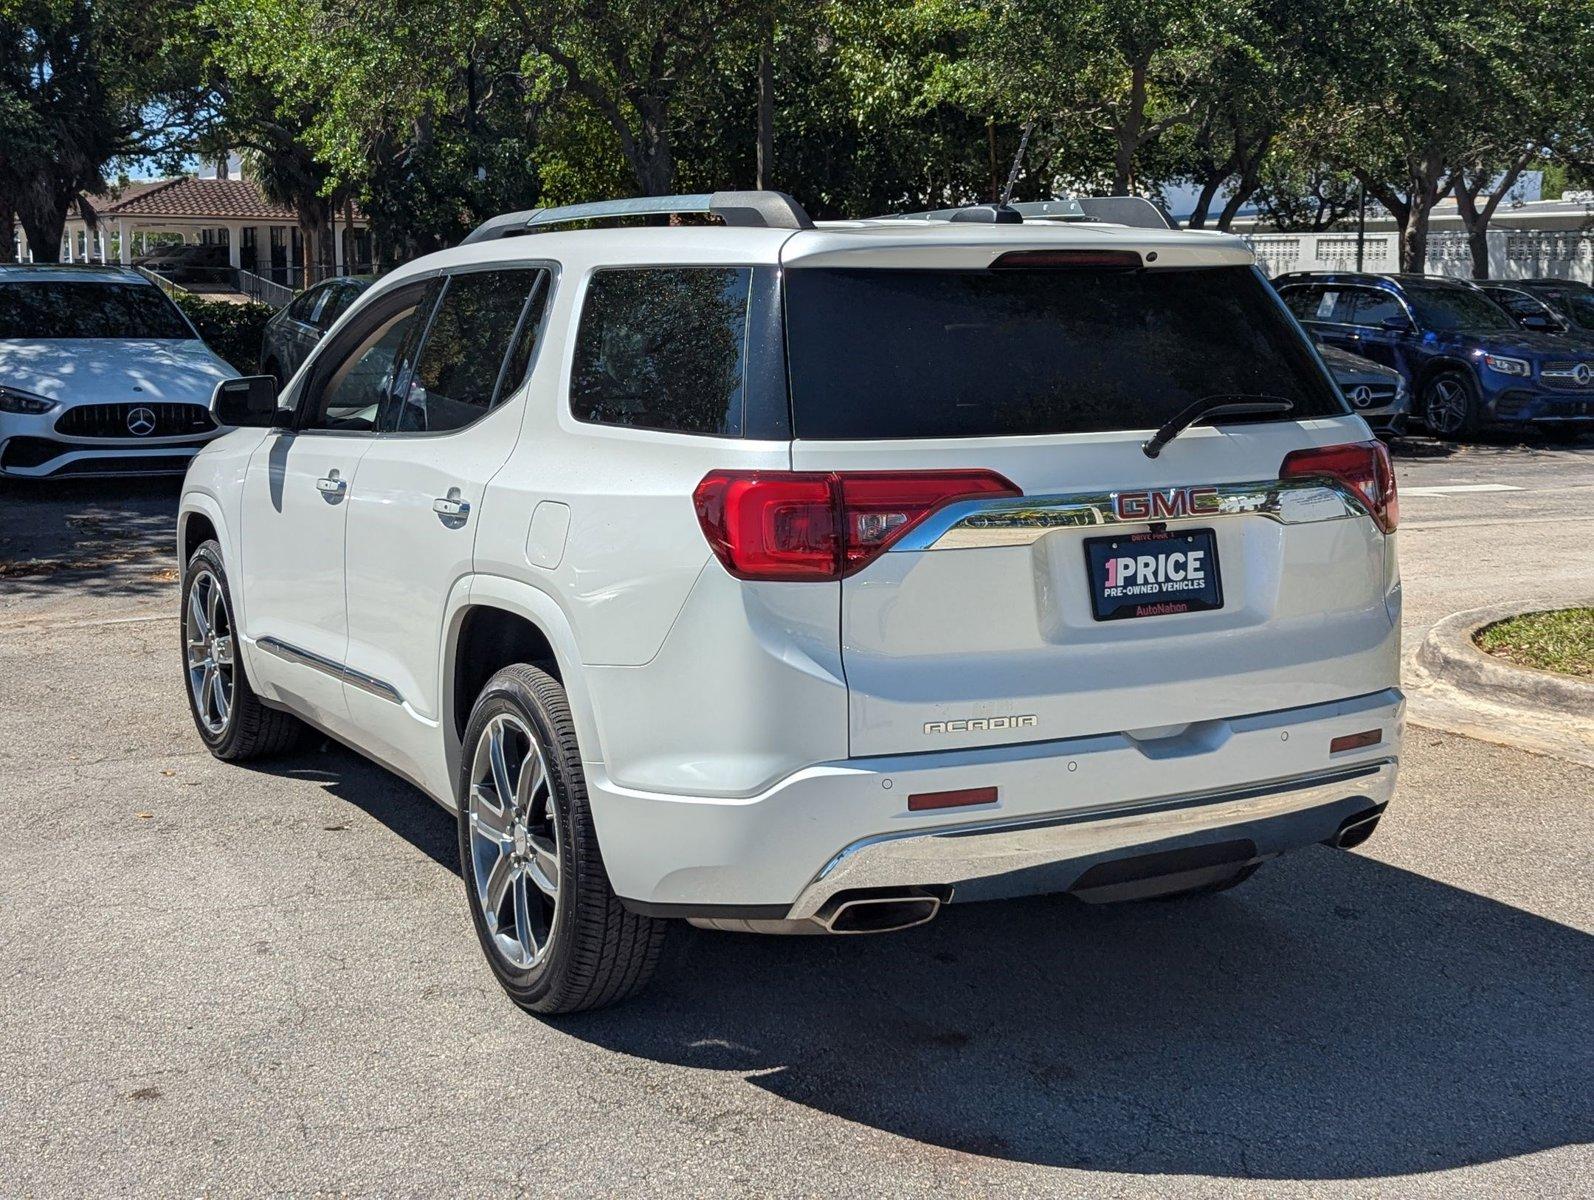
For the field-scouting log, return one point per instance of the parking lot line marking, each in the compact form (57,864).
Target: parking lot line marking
(1452,489)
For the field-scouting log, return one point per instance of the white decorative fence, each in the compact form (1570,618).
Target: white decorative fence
(1513,254)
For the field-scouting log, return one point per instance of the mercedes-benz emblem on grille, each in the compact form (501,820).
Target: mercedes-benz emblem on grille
(1361,396)
(1584,374)
(141,421)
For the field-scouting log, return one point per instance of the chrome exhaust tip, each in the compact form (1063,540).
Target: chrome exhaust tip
(1355,830)
(884,911)
(872,910)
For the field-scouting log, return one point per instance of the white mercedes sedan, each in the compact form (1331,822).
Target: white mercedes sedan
(100,374)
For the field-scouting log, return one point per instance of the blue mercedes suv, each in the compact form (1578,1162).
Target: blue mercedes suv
(1468,364)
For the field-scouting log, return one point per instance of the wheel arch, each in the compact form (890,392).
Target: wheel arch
(1439,366)
(199,518)
(491,622)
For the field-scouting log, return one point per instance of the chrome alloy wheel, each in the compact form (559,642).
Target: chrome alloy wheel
(1447,405)
(208,642)
(514,841)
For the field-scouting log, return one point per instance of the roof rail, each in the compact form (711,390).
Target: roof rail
(757,210)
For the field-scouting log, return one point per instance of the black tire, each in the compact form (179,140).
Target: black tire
(595,952)
(249,729)
(1212,889)
(1450,406)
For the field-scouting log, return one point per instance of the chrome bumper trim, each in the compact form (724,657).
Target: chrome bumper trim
(1021,520)
(1048,853)
(304,658)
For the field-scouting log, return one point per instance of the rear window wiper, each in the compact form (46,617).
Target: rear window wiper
(1232,404)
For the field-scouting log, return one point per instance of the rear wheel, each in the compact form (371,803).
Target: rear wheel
(1450,405)
(230,718)
(554,933)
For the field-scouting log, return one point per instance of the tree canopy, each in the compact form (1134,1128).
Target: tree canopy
(433,115)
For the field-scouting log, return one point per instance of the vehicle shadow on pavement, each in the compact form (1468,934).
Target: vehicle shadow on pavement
(1336,1018)
(112,538)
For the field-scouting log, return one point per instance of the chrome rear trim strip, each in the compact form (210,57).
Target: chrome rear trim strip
(357,679)
(1022,520)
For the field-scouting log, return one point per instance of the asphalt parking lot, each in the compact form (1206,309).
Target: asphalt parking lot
(225,980)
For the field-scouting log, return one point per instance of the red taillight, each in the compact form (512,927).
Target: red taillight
(1363,467)
(822,525)
(1355,741)
(958,799)
(1079,260)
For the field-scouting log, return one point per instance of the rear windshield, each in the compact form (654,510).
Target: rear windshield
(981,353)
(83,309)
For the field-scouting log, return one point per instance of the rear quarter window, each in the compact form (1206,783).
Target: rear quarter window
(663,348)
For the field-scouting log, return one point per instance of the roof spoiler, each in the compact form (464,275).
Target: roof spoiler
(1135,211)
(750,209)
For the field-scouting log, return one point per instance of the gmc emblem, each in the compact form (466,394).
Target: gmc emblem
(1165,504)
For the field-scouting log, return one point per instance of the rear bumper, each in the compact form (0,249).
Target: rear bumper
(1060,854)
(1062,809)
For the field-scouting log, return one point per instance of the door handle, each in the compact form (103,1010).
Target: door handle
(451,505)
(332,485)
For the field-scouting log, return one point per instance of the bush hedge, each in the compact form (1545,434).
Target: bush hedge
(231,330)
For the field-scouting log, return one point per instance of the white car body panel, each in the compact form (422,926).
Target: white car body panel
(738,736)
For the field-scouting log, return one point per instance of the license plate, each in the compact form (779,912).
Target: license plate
(1153,574)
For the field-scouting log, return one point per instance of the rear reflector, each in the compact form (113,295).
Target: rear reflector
(958,799)
(793,525)
(1356,741)
(1099,260)
(1362,467)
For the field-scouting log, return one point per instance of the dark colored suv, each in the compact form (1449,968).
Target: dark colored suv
(1467,362)
(289,336)
(1554,305)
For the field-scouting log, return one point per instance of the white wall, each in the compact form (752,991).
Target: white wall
(1513,254)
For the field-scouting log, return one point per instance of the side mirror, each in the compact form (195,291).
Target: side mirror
(1543,322)
(250,401)
(1397,324)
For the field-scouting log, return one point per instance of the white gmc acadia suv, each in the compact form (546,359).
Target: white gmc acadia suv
(803,578)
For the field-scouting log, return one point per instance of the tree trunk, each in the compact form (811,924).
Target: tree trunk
(766,108)
(1127,134)
(1414,239)
(1203,204)
(990,151)
(8,230)
(44,230)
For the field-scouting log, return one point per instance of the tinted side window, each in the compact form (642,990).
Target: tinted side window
(1303,302)
(304,305)
(663,348)
(369,369)
(339,297)
(1370,306)
(456,377)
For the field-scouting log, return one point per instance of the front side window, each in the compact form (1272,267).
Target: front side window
(86,309)
(887,353)
(1453,308)
(475,338)
(365,381)
(663,348)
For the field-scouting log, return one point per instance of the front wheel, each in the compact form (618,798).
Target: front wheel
(230,718)
(1450,405)
(555,934)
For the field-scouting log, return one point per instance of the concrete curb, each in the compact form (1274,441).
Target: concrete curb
(1448,653)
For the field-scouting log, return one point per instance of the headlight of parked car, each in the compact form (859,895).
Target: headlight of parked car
(14,400)
(1507,366)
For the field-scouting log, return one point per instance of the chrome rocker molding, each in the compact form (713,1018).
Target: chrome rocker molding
(348,675)
(1053,854)
(1022,520)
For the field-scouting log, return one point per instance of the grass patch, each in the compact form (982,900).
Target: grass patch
(1560,641)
